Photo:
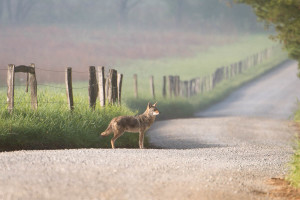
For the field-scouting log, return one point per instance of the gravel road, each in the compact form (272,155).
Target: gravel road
(228,157)
(273,95)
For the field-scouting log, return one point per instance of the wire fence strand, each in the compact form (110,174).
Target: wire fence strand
(51,70)
(57,87)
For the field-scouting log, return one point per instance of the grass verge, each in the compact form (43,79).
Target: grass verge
(53,126)
(294,174)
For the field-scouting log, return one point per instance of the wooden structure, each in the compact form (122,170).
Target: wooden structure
(31,81)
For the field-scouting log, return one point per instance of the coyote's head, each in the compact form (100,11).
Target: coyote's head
(152,110)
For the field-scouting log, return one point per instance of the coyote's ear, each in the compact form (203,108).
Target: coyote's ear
(155,104)
(149,105)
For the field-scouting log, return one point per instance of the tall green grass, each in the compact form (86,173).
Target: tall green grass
(53,126)
(294,173)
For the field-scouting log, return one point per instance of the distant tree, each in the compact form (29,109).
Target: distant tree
(1,8)
(220,14)
(16,10)
(284,15)
(125,6)
(178,9)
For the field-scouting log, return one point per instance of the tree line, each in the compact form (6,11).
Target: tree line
(284,16)
(188,13)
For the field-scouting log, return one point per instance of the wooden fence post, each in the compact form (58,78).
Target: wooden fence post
(198,85)
(164,86)
(101,84)
(135,86)
(10,87)
(12,69)
(186,85)
(120,79)
(33,87)
(27,82)
(152,87)
(176,86)
(171,81)
(69,89)
(93,87)
(112,92)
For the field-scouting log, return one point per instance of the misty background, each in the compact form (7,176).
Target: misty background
(56,34)
(209,14)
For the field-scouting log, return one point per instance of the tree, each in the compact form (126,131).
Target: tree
(124,8)
(17,10)
(284,15)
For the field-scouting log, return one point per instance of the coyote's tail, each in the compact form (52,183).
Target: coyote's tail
(107,131)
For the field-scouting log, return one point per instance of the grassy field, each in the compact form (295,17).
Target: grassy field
(53,126)
(200,65)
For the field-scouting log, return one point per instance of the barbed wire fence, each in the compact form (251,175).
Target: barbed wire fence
(106,88)
(173,86)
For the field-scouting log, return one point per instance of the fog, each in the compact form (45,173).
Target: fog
(56,34)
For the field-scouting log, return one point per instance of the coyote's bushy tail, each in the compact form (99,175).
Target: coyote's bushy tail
(107,131)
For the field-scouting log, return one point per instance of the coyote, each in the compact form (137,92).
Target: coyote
(134,124)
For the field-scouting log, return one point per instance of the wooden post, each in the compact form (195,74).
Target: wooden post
(112,92)
(93,87)
(152,87)
(27,82)
(181,92)
(114,84)
(176,85)
(69,89)
(164,86)
(240,67)
(10,87)
(211,79)
(120,79)
(33,87)
(101,84)
(170,86)
(186,85)
(197,85)
(135,86)
(108,87)
(107,83)
(192,87)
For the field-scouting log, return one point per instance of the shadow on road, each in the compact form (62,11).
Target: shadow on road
(185,144)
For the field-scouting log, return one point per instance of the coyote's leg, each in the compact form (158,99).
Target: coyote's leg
(141,140)
(117,134)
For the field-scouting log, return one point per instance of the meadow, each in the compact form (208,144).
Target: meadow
(53,126)
(201,64)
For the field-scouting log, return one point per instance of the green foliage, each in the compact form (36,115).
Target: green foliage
(213,12)
(53,126)
(285,17)
(294,173)
(187,13)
